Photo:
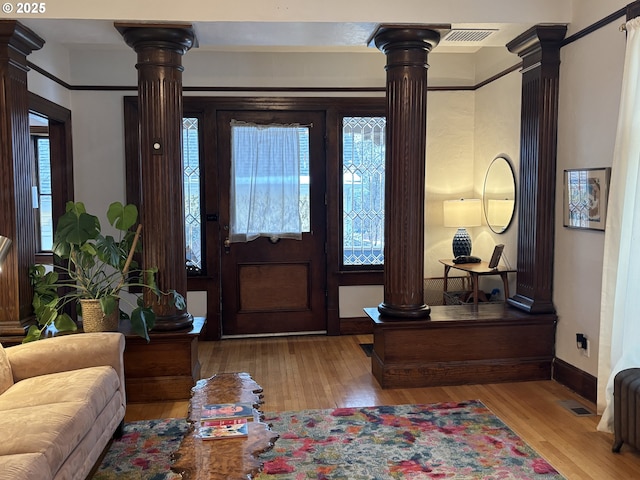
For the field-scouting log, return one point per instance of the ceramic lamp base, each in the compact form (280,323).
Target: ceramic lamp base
(461,243)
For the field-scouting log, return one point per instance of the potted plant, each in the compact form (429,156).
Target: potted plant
(93,270)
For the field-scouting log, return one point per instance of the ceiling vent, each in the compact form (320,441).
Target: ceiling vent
(467,35)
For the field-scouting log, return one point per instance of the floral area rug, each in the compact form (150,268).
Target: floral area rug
(451,441)
(439,441)
(144,451)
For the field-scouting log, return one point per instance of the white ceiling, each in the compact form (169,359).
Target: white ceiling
(265,36)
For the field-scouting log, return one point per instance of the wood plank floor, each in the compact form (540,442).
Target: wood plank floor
(309,372)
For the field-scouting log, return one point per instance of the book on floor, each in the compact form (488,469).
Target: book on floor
(208,422)
(220,429)
(221,411)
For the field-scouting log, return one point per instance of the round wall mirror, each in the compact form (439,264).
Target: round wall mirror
(499,194)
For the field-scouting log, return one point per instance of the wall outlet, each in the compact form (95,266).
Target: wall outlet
(583,344)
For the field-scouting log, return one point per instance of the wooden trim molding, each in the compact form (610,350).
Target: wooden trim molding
(579,381)
(633,10)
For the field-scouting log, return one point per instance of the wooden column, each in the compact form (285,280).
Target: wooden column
(16,164)
(406,48)
(539,48)
(160,49)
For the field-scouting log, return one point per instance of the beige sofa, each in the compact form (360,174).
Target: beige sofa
(61,400)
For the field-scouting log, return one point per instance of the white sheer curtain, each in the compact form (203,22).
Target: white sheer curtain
(265,182)
(620,309)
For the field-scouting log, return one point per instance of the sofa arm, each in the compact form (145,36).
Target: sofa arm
(68,352)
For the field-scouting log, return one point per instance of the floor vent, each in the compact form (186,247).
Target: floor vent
(576,408)
(367,348)
(467,35)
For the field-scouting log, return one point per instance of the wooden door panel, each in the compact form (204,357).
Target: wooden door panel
(274,287)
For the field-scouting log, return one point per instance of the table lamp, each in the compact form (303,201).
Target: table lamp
(5,244)
(461,214)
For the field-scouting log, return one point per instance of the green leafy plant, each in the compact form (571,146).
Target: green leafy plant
(90,265)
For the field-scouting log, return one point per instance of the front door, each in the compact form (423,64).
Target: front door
(275,285)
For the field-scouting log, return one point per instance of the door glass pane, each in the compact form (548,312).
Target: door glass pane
(269,190)
(191,170)
(363,156)
(44,200)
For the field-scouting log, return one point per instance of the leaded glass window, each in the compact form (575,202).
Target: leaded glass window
(363,170)
(191,177)
(44,199)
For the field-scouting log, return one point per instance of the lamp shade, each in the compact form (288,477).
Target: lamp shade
(465,212)
(5,244)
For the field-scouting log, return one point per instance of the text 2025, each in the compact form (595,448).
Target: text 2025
(33,7)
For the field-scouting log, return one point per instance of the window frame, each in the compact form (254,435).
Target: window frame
(203,264)
(61,158)
(38,134)
(343,267)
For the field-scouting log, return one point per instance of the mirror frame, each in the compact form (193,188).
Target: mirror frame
(485,201)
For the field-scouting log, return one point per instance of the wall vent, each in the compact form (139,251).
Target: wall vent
(467,35)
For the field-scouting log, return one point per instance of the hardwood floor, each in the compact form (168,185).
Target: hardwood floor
(309,372)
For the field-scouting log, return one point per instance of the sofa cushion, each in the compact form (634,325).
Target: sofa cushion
(26,465)
(51,414)
(6,376)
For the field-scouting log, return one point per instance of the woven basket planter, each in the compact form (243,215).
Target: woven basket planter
(94,319)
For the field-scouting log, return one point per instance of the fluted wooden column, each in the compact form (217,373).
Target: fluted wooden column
(406,48)
(160,49)
(16,165)
(539,48)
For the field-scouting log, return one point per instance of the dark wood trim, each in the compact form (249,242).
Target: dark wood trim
(51,76)
(579,381)
(346,278)
(132,151)
(633,10)
(61,151)
(356,326)
(497,76)
(594,26)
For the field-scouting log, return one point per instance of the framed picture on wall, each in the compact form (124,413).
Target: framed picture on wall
(585,197)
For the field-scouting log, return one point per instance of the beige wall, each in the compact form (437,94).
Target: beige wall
(590,82)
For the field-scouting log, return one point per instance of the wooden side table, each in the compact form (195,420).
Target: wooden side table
(475,270)
(166,368)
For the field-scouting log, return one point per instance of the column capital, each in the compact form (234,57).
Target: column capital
(16,38)
(537,40)
(391,36)
(178,38)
